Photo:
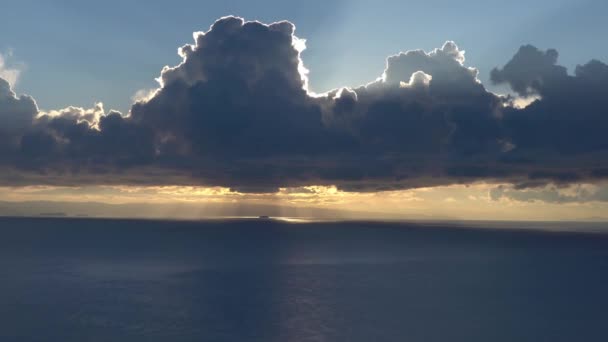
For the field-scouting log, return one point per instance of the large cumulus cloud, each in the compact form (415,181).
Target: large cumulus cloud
(237,112)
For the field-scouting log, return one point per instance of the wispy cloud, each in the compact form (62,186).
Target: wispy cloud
(9,73)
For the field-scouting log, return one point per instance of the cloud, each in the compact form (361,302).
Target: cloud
(579,193)
(16,116)
(237,113)
(569,118)
(143,95)
(9,74)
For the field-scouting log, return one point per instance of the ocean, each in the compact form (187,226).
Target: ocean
(80,279)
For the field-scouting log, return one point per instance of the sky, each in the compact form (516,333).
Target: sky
(82,52)
(491,120)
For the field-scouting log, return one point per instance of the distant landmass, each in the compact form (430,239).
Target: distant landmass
(192,211)
(54,214)
(178,210)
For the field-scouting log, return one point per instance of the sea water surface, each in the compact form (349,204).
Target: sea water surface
(265,280)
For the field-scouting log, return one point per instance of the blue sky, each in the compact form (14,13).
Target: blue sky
(78,52)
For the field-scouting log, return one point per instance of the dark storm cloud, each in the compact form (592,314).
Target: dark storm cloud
(237,112)
(16,114)
(238,94)
(571,117)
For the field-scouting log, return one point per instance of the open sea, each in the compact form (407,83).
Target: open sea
(239,280)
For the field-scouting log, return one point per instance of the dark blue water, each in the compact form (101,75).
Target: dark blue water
(248,280)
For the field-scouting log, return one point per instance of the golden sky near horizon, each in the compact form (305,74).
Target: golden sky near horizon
(477,201)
